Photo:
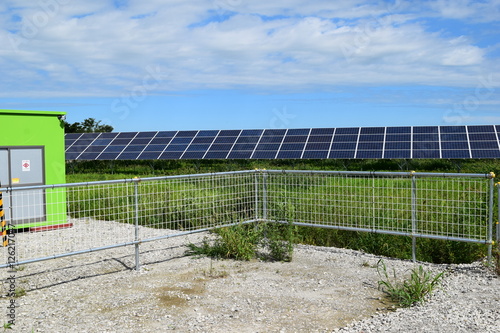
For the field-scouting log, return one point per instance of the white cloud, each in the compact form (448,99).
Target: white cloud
(477,11)
(92,48)
(463,56)
(460,119)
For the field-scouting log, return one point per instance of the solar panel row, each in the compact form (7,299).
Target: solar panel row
(314,143)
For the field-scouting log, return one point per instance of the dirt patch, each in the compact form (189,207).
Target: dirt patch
(320,290)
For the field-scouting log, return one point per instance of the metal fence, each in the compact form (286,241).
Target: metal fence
(109,214)
(449,206)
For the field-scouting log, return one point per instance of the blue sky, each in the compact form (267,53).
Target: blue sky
(237,64)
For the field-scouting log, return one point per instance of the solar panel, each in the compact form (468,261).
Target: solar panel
(291,154)
(426,129)
(453,129)
(432,154)
(322,131)
(342,131)
(240,154)
(485,154)
(398,130)
(453,142)
(369,153)
(235,133)
(107,135)
(251,133)
(149,155)
(372,130)
(316,154)
(216,154)
(464,153)
(298,132)
(342,154)
(397,154)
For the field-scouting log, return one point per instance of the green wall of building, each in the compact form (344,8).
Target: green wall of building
(40,128)
(37,128)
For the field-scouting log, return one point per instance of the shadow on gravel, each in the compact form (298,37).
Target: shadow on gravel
(69,272)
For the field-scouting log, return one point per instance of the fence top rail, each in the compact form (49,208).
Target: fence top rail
(386,173)
(264,171)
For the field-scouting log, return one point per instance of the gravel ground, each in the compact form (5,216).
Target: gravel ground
(321,290)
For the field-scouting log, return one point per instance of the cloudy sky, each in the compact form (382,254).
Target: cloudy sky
(231,64)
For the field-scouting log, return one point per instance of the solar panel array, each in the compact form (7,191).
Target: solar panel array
(455,142)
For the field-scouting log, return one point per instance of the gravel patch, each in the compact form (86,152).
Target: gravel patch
(321,290)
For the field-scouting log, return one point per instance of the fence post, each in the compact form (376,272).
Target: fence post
(264,195)
(256,190)
(136,210)
(374,223)
(498,215)
(413,216)
(490,217)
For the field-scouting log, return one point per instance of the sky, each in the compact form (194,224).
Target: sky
(154,65)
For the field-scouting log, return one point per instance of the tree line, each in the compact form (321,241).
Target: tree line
(89,125)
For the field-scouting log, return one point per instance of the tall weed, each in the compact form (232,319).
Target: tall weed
(267,241)
(413,290)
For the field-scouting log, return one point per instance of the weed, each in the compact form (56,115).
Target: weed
(367,264)
(214,273)
(19,292)
(235,242)
(19,268)
(7,326)
(241,242)
(411,291)
(278,241)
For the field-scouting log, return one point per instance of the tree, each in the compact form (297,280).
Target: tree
(89,125)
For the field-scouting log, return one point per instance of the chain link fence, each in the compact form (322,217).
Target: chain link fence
(94,216)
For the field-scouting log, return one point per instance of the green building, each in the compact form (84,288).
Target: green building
(31,154)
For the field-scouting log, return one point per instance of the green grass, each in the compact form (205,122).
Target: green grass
(172,204)
(410,291)
(130,169)
(428,250)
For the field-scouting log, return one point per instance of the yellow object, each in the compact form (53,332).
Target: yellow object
(3,224)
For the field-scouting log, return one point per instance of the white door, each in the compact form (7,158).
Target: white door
(22,167)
